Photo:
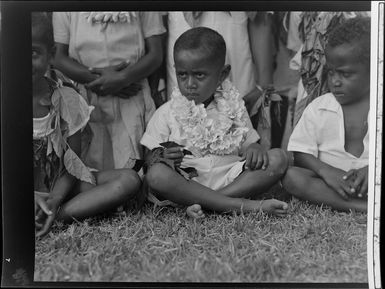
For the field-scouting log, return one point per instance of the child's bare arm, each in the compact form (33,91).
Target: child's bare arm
(331,175)
(62,187)
(261,44)
(73,69)
(113,83)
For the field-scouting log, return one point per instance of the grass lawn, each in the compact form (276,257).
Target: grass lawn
(312,244)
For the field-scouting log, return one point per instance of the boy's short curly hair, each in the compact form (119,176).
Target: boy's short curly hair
(41,24)
(354,31)
(205,39)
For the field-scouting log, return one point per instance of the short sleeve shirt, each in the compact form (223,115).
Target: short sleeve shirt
(93,46)
(321,133)
(163,127)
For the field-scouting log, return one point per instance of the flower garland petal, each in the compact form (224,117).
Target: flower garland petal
(220,136)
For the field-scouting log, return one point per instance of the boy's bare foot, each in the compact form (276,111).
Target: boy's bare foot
(195,211)
(270,206)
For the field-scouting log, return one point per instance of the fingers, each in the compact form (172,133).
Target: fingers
(43,205)
(96,70)
(94,84)
(178,162)
(121,66)
(175,153)
(342,193)
(255,161)
(38,225)
(129,91)
(251,160)
(363,190)
(358,181)
(349,174)
(47,225)
(40,215)
(259,162)
(265,161)
(135,87)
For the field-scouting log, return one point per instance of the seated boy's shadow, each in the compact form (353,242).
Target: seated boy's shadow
(276,192)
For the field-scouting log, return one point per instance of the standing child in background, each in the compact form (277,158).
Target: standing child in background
(64,187)
(207,116)
(309,33)
(331,140)
(111,54)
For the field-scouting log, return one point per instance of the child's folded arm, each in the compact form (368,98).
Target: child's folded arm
(332,176)
(70,67)
(146,65)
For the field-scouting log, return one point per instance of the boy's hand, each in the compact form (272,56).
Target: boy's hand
(130,90)
(359,177)
(174,153)
(45,214)
(333,177)
(256,157)
(110,81)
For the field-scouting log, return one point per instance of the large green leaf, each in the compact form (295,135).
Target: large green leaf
(77,168)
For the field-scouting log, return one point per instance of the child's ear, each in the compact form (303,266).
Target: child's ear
(225,72)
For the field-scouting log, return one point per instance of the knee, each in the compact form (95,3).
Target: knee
(278,161)
(130,182)
(288,180)
(294,182)
(156,175)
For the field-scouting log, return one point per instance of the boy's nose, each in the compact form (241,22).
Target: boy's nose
(336,81)
(191,82)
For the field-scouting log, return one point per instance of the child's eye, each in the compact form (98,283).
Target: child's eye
(200,75)
(34,53)
(182,75)
(346,74)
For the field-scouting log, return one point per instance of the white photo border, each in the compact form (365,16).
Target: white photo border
(375,150)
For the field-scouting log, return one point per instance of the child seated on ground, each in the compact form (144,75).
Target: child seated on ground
(65,189)
(217,163)
(331,140)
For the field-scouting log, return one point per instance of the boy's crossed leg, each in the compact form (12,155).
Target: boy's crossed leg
(172,186)
(306,185)
(251,183)
(113,188)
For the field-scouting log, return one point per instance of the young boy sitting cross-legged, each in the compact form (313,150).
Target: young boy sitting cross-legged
(207,119)
(331,140)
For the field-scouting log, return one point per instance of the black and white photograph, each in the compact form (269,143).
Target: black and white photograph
(217,146)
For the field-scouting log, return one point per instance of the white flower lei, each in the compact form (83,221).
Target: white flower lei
(219,136)
(104,17)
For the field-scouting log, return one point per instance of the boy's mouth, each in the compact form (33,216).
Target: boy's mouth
(339,94)
(191,95)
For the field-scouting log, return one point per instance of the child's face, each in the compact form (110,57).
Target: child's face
(197,77)
(41,57)
(348,79)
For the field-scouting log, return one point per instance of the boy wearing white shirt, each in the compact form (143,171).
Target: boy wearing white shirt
(330,142)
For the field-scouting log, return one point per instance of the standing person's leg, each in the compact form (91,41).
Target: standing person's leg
(306,185)
(172,186)
(250,183)
(113,188)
